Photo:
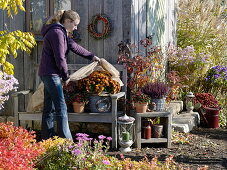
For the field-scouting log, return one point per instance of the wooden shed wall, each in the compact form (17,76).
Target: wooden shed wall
(131,19)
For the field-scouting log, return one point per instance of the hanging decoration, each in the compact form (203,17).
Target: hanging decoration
(92,28)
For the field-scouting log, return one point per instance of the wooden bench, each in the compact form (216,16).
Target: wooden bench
(80,117)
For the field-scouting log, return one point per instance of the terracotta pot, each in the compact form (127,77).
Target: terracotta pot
(78,107)
(141,107)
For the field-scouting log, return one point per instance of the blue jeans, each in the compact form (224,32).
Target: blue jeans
(54,107)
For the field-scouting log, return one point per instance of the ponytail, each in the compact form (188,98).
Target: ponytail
(56,17)
(61,15)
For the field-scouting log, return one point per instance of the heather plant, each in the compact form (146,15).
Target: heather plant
(7,84)
(18,147)
(202,24)
(156,90)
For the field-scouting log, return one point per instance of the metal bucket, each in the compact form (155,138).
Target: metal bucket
(159,104)
(99,104)
(212,116)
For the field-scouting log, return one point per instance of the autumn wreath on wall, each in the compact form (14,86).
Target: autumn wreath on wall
(92,28)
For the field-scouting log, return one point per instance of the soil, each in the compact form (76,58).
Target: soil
(206,147)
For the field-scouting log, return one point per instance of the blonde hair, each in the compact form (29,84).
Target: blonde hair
(61,15)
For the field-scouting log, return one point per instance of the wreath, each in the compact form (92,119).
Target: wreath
(92,28)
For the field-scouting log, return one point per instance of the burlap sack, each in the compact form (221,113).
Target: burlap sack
(95,66)
(35,103)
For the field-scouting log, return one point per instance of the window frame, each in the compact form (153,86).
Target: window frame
(49,12)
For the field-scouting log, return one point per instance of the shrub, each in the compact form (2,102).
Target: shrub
(11,42)
(206,100)
(18,147)
(176,86)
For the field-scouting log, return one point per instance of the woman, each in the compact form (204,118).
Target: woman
(53,68)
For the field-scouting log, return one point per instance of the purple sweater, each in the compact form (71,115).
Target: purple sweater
(56,46)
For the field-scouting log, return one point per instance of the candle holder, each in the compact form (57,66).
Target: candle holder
(126,131)
(190,102)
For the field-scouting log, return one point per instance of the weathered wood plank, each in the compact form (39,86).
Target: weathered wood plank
(152,19)
(161,22)
(96,46)
(136,35)
(142,17)
(126,19)
(113,9)
(132,26)
(81,7)
(1,20)
(16,23)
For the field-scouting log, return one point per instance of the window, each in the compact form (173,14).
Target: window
(37,11)
(62,4)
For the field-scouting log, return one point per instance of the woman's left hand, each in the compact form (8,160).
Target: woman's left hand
(95,58)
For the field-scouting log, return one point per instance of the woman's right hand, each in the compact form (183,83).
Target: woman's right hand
(65,83)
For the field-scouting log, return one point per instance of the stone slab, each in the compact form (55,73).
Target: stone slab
(184,128)
(184,118)
(174,107)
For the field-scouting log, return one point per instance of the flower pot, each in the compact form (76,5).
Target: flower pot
(141,107)
(159,104)
(78,107)
(157,131)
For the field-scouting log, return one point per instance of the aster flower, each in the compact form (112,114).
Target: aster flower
(106,162)
(76,152)
(109,138)
(101,137)
(7,84)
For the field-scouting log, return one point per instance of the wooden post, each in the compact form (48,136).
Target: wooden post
(114,123)
(15,109)
(138,132)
